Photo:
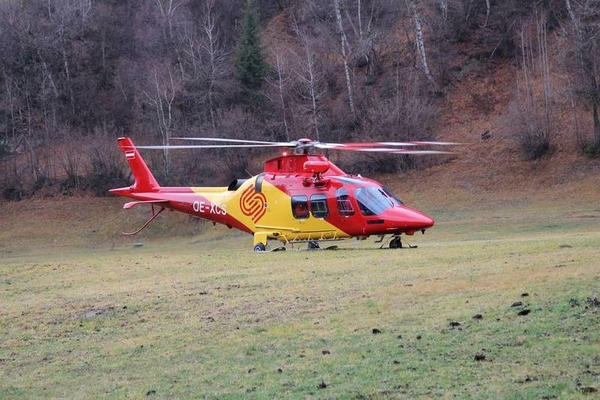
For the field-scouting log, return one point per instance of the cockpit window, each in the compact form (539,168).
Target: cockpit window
(373,200)
(395,199)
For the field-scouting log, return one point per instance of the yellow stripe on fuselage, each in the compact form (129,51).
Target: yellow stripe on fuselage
(269,212)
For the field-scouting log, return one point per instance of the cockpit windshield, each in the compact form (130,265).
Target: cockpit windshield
(391,195)
(373,200)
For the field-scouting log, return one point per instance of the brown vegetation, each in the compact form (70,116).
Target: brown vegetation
(514,79)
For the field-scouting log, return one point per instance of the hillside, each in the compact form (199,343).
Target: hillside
(502,80)
(497,164)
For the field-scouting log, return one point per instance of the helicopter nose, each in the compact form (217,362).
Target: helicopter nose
(420,220)
(414,220)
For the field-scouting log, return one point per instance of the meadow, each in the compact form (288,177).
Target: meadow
(500,300)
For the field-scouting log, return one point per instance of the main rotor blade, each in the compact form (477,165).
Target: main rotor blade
(207,139)
(391,150)
(374,147)
(322,145)
(421,152)
(372,144)
(207,146)
(436,143)
(388,144)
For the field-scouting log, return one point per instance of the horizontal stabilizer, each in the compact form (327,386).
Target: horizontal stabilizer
(132,204)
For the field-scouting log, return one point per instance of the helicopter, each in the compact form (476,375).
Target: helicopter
(300,197)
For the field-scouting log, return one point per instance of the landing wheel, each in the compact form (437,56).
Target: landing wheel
(313,245)
(259,247)
(396,243)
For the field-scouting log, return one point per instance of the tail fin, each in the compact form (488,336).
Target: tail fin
(144,180)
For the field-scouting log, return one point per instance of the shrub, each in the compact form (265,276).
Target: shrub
(4,151)
(535,144)
(13,191)
(591,150)
(533,131)
(105,173)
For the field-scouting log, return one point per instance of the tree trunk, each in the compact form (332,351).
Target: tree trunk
(162,100)
(595,101)
(11,107)
(420,42)
(308,74)
(444,9)
(545,67)
(209,29)
(572,15)
(344,44)
(280,85)
(312,89)
(168,11)
(585,49)
(66,66)
(360,30)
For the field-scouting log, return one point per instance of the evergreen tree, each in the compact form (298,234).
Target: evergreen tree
(250,63)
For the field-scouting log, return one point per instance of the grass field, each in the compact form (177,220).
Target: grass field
(499,300)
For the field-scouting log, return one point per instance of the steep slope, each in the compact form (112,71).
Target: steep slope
(489,166)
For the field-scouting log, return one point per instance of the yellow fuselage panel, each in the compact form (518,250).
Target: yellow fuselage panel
(267,211)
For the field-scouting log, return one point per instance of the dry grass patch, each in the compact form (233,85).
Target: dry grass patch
(200,316)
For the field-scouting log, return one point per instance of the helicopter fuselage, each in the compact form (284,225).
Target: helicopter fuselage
(298,197)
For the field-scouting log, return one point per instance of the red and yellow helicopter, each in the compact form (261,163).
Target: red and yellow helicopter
(299,197)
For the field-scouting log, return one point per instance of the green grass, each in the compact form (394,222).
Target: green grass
(202,316)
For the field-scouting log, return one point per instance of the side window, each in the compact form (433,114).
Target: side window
(318,206)
(344,205)
(300,207)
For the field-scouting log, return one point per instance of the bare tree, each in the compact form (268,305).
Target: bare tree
(280,83)
(216,58)
(535,117)
(367,37)
(207,62)
(584,15)
(167,9)
(420,40)
(10,128)
(161,98)
(488,9)
(310,80)
(443,4)
(65,16)
(574,18)
(344,53)
(578,134)
(542,39)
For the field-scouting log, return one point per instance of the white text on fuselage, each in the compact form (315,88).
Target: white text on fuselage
(204,207)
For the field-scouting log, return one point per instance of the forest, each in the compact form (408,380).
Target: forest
(77,74)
